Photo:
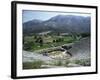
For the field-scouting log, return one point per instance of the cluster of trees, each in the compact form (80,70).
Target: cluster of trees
(85,34)
(58,40)
(39,40)
(28,44)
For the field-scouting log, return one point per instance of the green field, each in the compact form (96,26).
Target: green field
(30,43)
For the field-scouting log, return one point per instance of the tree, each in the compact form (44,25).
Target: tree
(40,41)
(54,40)
(85,34)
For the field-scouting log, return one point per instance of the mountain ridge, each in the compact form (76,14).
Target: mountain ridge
(59,23)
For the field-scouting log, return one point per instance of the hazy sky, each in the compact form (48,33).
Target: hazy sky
(28,15)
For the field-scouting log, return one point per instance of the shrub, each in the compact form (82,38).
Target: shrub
(32,65)
(83,62)
(67,62)
(58,63)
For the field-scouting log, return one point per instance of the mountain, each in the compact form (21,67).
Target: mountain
(59,23)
